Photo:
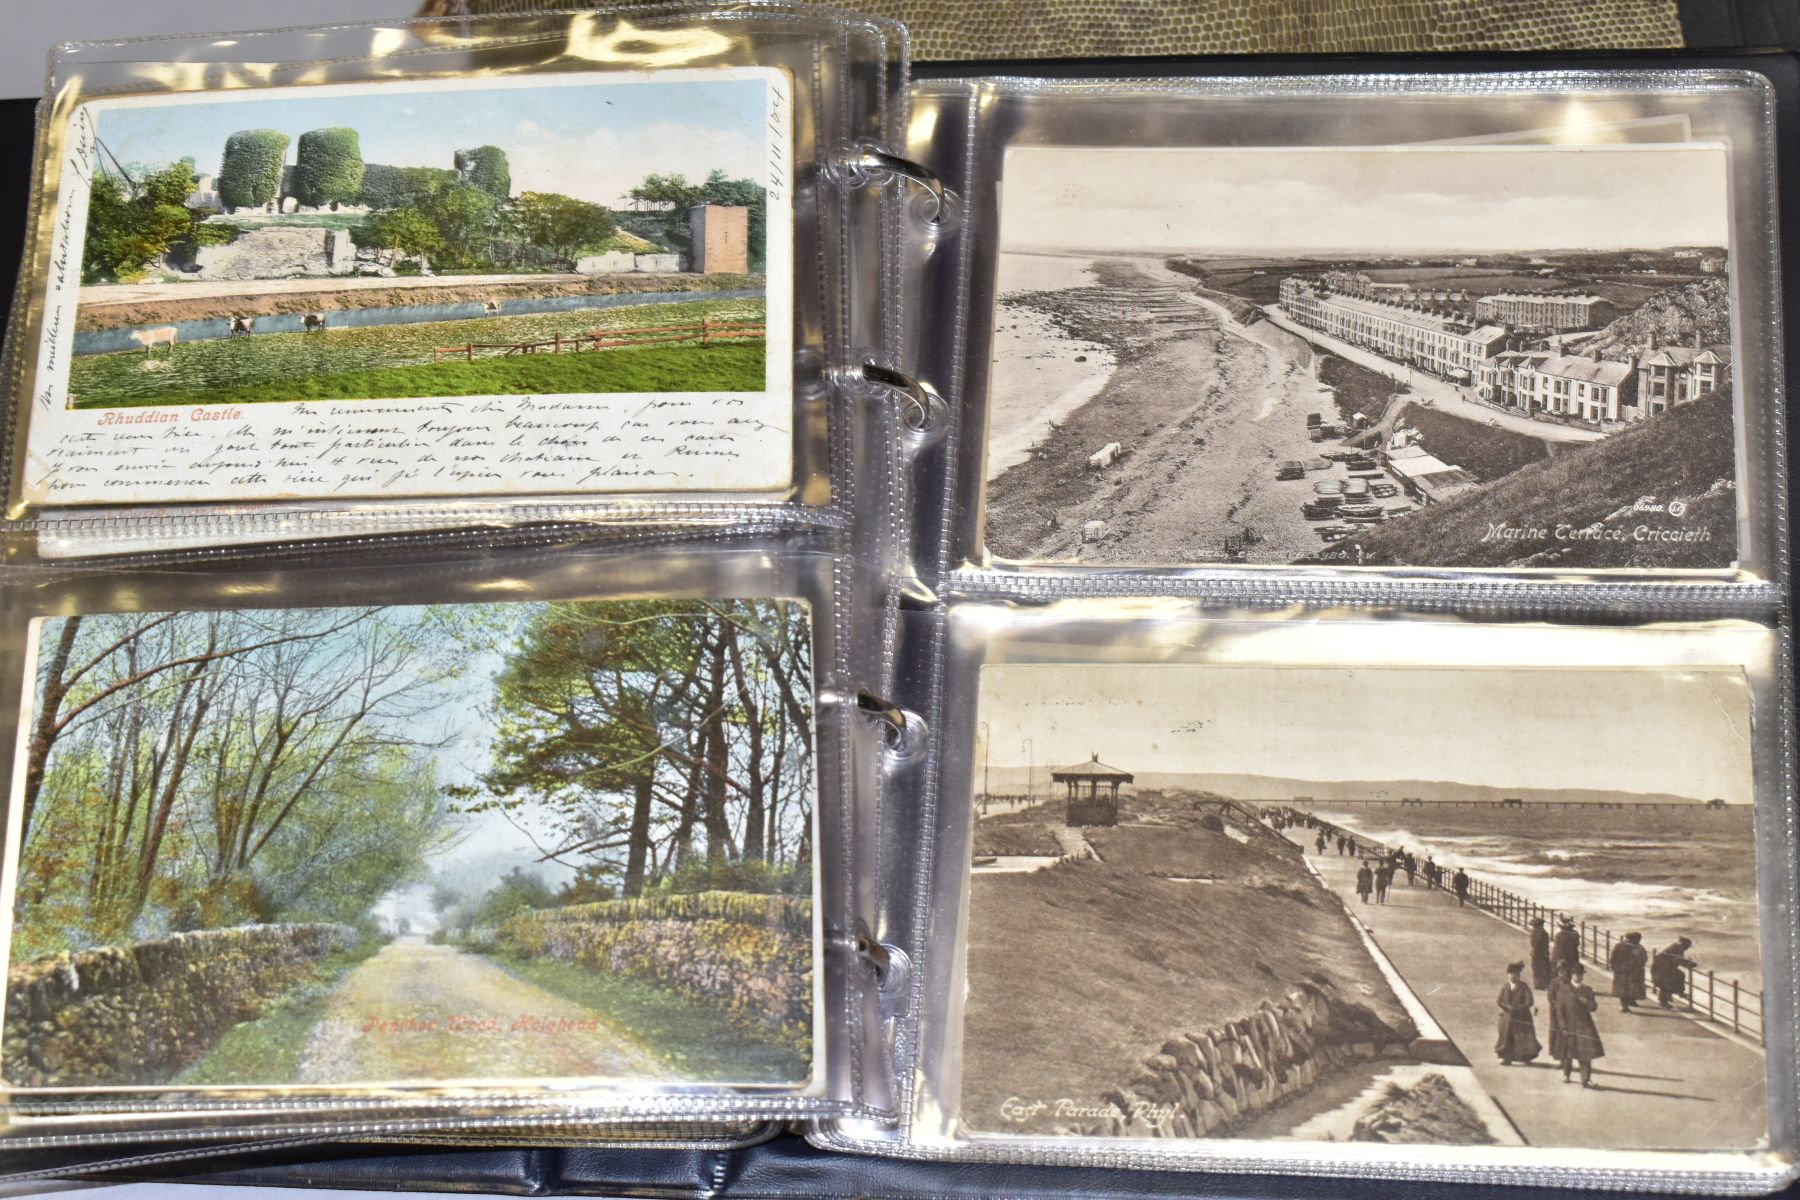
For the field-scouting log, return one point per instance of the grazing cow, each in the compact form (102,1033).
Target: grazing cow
(491,309)
(150,339)
(242,326)
(314,322)
(1105,456)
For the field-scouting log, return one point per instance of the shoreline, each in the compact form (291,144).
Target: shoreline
(1720,918)
(1042,358)
(1203,412)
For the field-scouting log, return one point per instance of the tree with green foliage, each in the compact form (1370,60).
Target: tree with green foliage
(487,169)
(518,891)
(250,171)
(581,701)
(400,231)
(681,196)
(328,168)
(641,732)
(464,217)
(560,224)
(202,769)
(132,223)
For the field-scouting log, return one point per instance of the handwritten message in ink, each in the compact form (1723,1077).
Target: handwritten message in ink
(465,446)
(163,356)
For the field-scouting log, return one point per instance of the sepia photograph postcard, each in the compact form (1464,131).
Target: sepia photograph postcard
(1282,913)
(485,287)
(1504,356)
(475,844)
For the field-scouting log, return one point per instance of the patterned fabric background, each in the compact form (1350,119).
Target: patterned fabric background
(963,29)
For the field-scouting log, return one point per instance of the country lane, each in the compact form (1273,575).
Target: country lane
(418,1011)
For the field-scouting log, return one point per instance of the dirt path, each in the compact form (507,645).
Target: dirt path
(1203,419)
(416,1011)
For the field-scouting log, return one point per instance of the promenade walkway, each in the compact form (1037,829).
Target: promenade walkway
(1667,1082)
(1443,395)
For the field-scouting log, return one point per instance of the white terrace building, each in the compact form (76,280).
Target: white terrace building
(1675,375)
(1595,390)
(1437,342)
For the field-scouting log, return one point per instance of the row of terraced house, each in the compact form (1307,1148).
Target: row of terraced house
(1493,359)
(1591,388)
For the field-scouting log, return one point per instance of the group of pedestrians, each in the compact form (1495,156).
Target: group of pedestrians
(1557,971)
(1375,877)
(1555,962)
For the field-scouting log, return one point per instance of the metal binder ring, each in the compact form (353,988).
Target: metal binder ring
(873,953)
(872,161)
(902,732)
(891,717)
(924,409)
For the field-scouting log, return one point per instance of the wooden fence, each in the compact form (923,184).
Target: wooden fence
(706,333)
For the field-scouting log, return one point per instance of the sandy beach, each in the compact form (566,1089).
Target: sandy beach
(1049,376)
(1203,418)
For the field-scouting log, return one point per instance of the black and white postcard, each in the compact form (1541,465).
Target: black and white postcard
(1498,356)
(1488,906)
(475,844)
(537,285)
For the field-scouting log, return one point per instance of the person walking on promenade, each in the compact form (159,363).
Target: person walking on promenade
(1355,850)
(1627,964)
(1565,948)
(1574,1039)
(1459,883)
(1431,872)
(1384,879)
(1340,845)
(1666,974)
(1412,868)
(1518,1040)
(1541,970)
(1365,882)
(1320,843)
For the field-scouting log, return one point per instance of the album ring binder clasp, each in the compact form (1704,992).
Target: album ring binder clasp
(924,409)
(871,162)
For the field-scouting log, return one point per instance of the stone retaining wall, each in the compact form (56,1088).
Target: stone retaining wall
(139,1014)
(278,252)
(748,955)
(1204,1081)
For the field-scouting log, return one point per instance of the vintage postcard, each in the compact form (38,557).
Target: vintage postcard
(478,844)
(1384,904)
(1496,356)
(543,285)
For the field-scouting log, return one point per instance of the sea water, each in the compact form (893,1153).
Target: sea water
(1039,374)
(1664,872)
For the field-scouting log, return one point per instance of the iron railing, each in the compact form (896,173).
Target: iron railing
(1724,1002)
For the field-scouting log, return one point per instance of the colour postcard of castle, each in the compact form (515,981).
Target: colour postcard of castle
(479,844)
(1305,906)
(1494,356)
(550,285)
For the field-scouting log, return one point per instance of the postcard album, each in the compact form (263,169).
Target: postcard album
(641,575)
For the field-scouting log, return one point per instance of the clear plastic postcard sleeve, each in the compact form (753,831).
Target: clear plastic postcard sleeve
(1326,578)
(561,598)
(450,275)
(637,574)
